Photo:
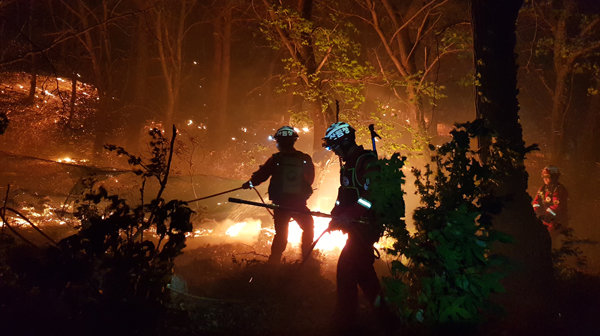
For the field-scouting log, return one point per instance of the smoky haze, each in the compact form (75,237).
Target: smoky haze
(227,81)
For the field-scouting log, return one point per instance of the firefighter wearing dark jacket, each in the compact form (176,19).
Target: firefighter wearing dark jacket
(550,202)
(292,173)
(352,215)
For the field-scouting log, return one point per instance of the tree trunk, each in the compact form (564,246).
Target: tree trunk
(140,77)
(562,68)
(221,75)
(72,100)
(588,135)
(559,107)
(321,111)
(528,285)
(33,65)
(32,79)
(223,97)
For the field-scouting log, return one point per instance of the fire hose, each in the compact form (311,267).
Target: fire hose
(214,195)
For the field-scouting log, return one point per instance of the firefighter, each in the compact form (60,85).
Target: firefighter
(292,173)
(550,202)
(351,214)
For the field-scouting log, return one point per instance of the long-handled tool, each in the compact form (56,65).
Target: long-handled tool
(312,213)
(373,136)
(312,246)
(275,206)
(213,195)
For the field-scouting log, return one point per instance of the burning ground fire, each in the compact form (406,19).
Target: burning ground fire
(248,230)
(251,229)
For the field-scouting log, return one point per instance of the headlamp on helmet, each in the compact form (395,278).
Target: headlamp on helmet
(338,133)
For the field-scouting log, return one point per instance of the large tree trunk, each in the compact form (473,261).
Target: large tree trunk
(33,58)
(528,285)
(221,75)
(563,67)
(321,111)
(139,75)
(588,135)
(223,97)
(72,100)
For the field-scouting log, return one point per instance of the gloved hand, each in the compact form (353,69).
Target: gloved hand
(539,212)
(340,222)
(246,185)
(547,217)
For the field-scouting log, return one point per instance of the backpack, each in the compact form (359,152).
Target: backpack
(287,180)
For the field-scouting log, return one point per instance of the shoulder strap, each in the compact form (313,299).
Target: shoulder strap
(364,155)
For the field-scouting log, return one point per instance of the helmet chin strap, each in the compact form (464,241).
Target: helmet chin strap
(344,149)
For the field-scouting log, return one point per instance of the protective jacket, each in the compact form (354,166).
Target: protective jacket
(550,205)
(292,174)
(355,264)
(355,185)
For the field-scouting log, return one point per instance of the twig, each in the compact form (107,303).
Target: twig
(32,225)
(163,183)
(3,217)
(263,201)
(3,210)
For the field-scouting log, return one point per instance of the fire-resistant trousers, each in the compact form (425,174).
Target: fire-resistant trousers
(282,222)
(355,269)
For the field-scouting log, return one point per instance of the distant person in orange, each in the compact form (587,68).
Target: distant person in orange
(292,173)
(550,202)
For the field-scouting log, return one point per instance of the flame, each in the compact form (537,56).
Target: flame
(43,217)
(245,230)
(250,229)
(67,159)
(334,240)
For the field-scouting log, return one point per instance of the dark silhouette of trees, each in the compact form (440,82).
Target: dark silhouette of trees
(566,44)
(528,286)
(413,37)
(321,59)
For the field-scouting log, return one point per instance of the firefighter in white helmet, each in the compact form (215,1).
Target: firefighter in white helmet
(292,173)
(353,216)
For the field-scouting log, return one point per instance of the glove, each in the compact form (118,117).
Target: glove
(539,212)
(339,223)
(247,185)
(546,217)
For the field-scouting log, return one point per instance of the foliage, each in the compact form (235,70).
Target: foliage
(387,197)
(448,273)
(570,248)
(118,265)
(390,125)
(337,72)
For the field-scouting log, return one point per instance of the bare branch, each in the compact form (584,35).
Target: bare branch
(399,67)
(68,36)
(590,27)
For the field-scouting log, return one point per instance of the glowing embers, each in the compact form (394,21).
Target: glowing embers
(46,215)
(70,160)
(200,232)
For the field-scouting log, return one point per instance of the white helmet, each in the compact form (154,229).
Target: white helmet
(285,132)
(337,133)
